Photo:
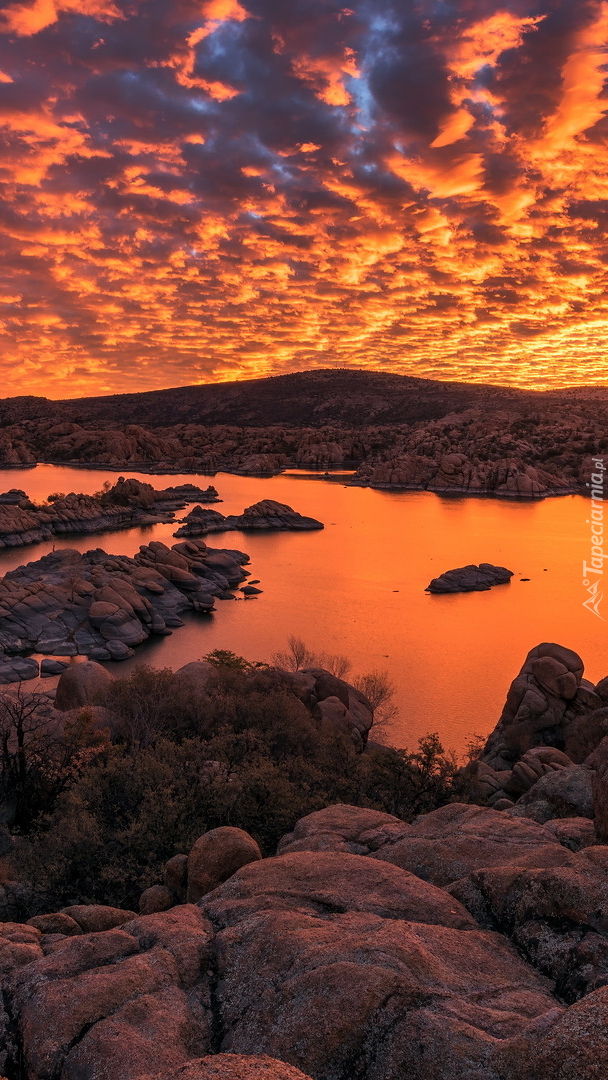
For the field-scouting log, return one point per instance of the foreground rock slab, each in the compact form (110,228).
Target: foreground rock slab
(342,968)
(330,965)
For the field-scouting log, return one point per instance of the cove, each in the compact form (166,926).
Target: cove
(357,588)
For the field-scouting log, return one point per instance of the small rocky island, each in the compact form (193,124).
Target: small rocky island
(470,578)
(264,515)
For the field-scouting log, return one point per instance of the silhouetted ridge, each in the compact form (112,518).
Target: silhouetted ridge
(302,399)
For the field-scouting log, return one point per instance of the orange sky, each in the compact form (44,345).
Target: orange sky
(212,190)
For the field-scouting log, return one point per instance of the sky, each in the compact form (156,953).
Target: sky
(209,190)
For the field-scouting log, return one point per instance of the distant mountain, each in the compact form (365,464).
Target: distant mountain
(303,399)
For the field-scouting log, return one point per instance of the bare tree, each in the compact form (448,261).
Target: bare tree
(380,692)
(297,655)
(40,755)
(376,685)
(336,663)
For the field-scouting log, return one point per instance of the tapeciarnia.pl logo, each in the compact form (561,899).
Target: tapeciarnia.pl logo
(593,571)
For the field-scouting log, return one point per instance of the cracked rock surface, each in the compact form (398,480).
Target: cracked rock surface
(325,964)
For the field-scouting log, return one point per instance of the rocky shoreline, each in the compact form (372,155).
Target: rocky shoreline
(127,504)
(103,606)
(133,504)
(512,446)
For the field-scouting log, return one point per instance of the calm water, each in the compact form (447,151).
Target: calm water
(358,588)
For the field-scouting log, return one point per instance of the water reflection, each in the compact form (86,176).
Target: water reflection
(358,588)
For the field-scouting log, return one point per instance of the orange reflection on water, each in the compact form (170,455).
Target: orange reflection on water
(357,588)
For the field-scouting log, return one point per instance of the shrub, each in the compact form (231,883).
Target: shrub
(245,752)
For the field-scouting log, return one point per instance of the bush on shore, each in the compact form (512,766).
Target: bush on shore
(178,761)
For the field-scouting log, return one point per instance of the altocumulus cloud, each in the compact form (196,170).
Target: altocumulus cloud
(230,188)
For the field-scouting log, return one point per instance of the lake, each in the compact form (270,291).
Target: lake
(357,588)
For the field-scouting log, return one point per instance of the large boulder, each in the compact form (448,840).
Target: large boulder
(216,856)
(353,829)
(543,704)
(344,967)
(197,675)
(175,876)
(156,898)
(451,842)
(563,793)
(82,684)
(58,922)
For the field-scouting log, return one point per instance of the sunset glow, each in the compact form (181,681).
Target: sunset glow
(218,189)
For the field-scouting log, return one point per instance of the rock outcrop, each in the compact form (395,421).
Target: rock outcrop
(129,503)
(470,578)
(102,606)
(82,684)
(200,522)
(264,515)
(338,705)
(269,514)
(548,704)
(512,874)
(455,473)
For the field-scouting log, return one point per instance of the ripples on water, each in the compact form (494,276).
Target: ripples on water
(358,588)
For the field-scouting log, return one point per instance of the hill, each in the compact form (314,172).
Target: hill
(303,399)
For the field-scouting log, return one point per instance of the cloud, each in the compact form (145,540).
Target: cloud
(197,189)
